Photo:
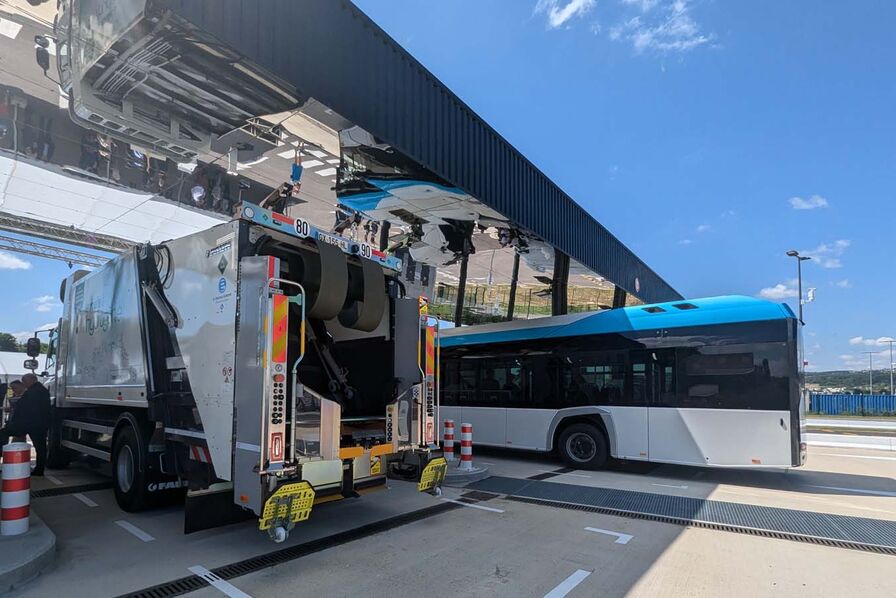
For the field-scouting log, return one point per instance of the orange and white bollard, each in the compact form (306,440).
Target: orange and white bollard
(466,447)
(448,443)
(15,492)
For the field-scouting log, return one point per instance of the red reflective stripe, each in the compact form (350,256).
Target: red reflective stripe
(283,218)
(16,485)
(14,513)
(271,267)
(21,456)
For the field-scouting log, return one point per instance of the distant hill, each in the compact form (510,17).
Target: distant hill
(850,380)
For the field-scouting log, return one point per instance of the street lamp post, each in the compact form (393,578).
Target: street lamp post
(891,341)
(870,355)
(799,276)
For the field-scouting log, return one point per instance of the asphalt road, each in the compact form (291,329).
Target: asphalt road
(495,547)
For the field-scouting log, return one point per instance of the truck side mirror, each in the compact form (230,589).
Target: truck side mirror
(32,347)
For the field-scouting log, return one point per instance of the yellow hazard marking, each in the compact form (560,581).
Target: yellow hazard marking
(433,474)
(291,502)
(280,320)
(380,449)
(376,466)
(350,452)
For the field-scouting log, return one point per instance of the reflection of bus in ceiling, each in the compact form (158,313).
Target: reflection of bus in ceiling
(712,382)
(383,184)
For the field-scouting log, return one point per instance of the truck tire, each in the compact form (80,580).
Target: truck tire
(584,446)
(129,470)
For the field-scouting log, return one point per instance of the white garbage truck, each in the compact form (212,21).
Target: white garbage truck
(261,366)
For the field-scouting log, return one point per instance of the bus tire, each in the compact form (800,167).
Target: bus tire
(584,446)
(129,470)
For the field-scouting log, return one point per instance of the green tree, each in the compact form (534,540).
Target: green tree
(8,342)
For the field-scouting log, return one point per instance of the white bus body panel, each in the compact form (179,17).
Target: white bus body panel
(630,429)
(489,425)
(720,437)
(526,428)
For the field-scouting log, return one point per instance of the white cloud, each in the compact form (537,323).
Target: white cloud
(45,303)
(642,5)
(827,255)
(559,13)
(843,284)
(870,342)
(685,242)
(814,202)
(9,261)
(661,28)
(704,228)
(779,291)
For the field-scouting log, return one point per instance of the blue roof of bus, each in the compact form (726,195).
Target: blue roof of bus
(673,314)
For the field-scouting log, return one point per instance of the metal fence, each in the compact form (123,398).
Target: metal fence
(852,404)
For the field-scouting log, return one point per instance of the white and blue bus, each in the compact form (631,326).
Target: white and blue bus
(713,382)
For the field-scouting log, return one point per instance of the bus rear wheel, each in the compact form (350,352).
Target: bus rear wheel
(584,446)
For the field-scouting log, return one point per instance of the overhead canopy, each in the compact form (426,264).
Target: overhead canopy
(170,113)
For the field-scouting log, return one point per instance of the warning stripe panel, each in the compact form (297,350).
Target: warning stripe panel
(279,337)
(430,351)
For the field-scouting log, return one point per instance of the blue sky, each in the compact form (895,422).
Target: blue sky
(709,136)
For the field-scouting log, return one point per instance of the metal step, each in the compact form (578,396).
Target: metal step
(860,533)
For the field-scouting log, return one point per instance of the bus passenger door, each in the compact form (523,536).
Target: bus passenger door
(671,439)
(630,413)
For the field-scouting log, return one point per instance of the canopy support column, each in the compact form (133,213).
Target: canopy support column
(559,286)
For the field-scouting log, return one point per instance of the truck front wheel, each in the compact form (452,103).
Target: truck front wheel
(129,470)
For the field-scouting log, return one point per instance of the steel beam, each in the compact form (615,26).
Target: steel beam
(64,234)
(63,254)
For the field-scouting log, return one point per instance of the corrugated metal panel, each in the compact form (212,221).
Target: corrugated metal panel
(330,50)
(852,404)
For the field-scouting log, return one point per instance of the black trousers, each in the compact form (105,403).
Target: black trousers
(38,439)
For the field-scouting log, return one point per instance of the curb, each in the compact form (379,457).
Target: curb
(24,557)
(457,477)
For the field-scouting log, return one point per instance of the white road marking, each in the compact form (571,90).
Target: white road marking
(857,456)
(671,486)
(9,28)
(466,504)
(578,475)
(216,582)
(567,585)
(84,499)
(130,527)
(53,479)
(620,537)
(854,490)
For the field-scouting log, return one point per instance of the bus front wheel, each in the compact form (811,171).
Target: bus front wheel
(584,446)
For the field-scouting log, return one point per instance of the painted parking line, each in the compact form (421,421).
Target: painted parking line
(216,582)
(133,529)
(671,486)
(858,456)
(472,506)
(9,28)
(620,537)
(567,585)
(53,479)
(84,499)
(854,490)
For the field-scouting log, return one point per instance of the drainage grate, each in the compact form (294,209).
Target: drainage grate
(478,496)
(191,583)
(858,533)
(60,490)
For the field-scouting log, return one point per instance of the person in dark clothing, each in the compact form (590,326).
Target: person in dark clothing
(31,417)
